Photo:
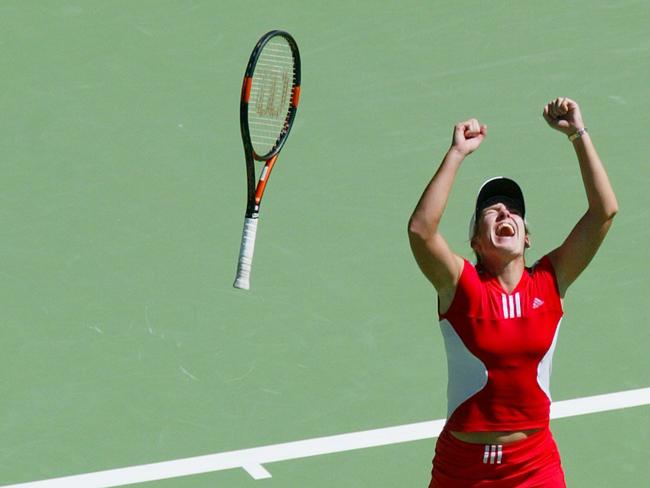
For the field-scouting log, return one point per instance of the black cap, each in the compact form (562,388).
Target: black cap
(500,189)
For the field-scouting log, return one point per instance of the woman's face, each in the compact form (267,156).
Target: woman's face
(501,232)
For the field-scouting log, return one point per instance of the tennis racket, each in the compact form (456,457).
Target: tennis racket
(269,99)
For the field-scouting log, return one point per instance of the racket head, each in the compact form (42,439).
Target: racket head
(270,95)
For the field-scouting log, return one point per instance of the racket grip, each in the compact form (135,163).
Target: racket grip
(242,281)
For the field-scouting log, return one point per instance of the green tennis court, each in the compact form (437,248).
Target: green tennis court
(123,196)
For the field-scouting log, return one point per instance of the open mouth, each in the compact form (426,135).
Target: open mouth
(505,230)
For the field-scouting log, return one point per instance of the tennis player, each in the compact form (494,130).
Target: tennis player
(499,318)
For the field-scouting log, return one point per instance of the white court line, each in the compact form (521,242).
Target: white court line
(252,460)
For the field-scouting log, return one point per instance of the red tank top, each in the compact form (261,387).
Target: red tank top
(499,350)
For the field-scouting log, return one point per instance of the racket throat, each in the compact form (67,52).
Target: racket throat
(264,178)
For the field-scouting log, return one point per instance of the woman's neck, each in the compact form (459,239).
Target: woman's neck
(508,273)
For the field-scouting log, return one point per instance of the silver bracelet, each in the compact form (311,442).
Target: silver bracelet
(577,134)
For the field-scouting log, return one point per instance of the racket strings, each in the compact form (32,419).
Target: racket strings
(270,96)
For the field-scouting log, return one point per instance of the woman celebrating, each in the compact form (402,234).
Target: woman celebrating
(499,318)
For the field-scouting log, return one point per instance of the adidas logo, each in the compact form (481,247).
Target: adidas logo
(537,303)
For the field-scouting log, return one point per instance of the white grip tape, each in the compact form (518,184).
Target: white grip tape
(246,254)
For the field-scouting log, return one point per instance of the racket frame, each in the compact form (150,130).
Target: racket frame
(255,194)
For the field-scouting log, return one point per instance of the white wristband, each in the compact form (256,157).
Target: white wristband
(578,134)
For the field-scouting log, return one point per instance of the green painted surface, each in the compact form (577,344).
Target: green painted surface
(122,191)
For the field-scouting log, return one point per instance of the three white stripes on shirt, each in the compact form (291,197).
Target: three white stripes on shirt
(511,305)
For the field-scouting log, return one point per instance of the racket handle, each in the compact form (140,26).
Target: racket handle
(245,263)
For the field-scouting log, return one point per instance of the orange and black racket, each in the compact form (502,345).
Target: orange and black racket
(269,99)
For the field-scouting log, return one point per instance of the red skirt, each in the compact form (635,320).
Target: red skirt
(530,463)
